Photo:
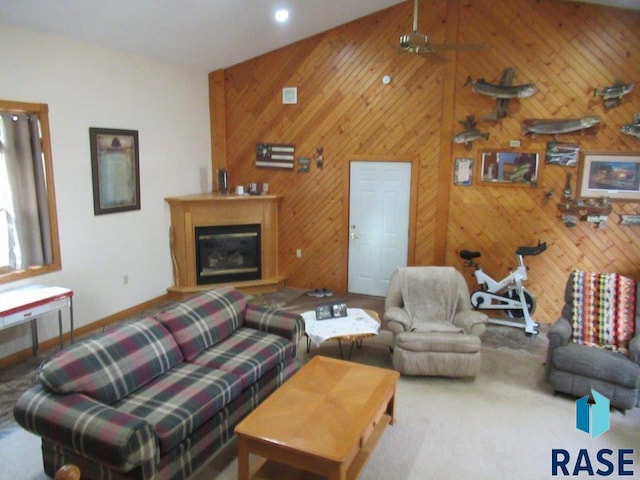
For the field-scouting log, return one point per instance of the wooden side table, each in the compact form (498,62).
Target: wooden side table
(30,303)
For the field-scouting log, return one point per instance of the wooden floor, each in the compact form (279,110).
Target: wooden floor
(304,302)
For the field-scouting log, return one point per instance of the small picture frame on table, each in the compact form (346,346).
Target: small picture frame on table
(331,310)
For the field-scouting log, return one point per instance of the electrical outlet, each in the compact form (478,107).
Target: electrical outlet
(125,279)
(299,253)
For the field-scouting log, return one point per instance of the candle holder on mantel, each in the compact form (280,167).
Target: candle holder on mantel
(223,180)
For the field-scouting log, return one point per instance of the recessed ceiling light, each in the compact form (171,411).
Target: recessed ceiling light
(282,15)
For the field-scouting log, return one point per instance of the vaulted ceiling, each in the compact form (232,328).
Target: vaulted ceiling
(196,34)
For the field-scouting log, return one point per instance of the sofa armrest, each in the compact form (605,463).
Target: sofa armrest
(90,428)
(471,321)
(396,315)
(634,348)
(559,333)
(279,322)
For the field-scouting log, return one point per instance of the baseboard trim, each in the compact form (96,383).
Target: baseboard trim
(100,324)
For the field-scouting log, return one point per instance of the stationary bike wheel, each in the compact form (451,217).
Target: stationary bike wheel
(529,299)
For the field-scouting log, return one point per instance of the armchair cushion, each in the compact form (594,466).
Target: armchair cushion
(438,342)
(430,298)
(597,363)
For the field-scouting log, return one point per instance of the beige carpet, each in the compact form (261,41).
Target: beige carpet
(502,425)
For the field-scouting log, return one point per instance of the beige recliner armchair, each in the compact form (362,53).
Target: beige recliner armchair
(435,331)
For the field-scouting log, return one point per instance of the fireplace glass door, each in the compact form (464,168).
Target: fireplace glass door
(228,253)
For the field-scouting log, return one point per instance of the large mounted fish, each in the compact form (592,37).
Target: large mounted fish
(555,127)
(633,128)
(501,91)
(613,94)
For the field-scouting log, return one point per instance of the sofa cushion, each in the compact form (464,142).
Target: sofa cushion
(181,401)
(112,365)
(247,353)
(205,319)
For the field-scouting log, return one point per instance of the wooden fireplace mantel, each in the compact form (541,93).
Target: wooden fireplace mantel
(214,209)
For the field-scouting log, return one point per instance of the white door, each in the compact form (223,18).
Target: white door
(379,199)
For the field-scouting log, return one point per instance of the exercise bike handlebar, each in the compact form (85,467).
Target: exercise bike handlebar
(523,251)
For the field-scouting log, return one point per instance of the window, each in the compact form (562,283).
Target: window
(29,243)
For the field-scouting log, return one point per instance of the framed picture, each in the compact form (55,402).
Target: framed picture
(339,309)
(565,154)
(508,167)
(464,172)
(323,312)
(115,170)
(612,175)
(329,310)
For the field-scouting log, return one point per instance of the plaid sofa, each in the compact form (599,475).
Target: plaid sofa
(157,397)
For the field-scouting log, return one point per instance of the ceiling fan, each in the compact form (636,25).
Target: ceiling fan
(416,42)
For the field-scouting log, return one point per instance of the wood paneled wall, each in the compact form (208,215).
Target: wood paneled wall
(566,48)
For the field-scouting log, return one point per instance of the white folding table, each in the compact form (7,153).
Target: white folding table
(30,303)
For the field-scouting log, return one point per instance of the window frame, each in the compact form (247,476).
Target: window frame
(42,109)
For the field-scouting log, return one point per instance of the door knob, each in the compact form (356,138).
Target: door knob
(354,235)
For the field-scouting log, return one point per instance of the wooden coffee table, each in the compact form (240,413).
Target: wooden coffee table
(324,422)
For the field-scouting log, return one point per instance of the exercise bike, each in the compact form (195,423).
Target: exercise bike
(507,294)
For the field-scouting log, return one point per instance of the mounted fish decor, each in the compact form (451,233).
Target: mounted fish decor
(470,133)
(613,95)
(588,125)
(633,128)
(502,92)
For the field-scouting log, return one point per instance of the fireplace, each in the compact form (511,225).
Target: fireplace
(191,212)
(227,253)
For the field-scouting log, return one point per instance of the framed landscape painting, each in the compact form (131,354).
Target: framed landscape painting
(612,175)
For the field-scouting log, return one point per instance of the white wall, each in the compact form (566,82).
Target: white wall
(84,87)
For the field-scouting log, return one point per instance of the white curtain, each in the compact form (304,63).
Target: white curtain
(23,191)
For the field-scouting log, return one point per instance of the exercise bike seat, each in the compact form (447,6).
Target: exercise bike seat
(469,255)
(525,251)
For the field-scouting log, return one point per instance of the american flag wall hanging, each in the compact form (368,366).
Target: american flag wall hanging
(273,155)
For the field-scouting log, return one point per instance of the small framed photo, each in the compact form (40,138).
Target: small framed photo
(324,312)
(115,169)
(464,172)
(339,309)
(612,175)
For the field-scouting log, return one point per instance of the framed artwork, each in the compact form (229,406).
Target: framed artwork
(508,167)
(327,310)
(464,172)
(115,169)
(565,154)
(324,312)
(612,175)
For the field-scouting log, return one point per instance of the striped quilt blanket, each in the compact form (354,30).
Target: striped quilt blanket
(603,310)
